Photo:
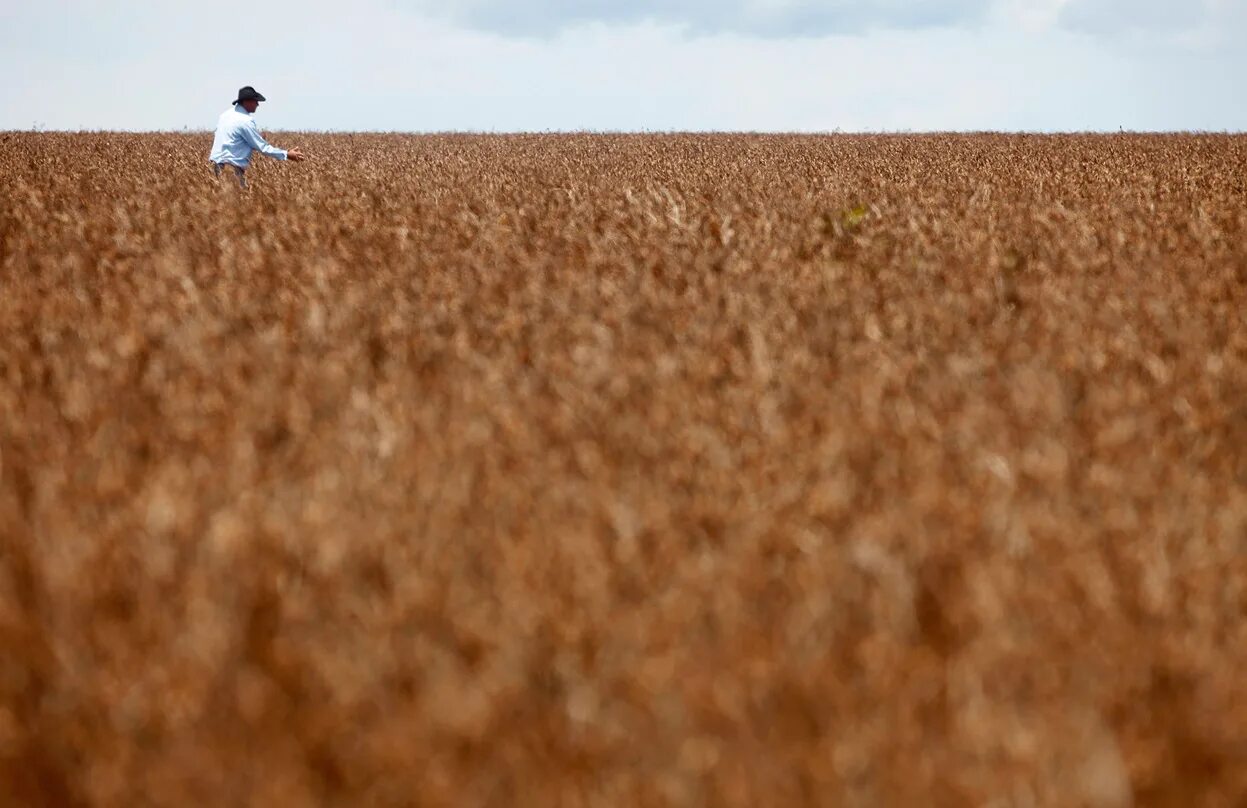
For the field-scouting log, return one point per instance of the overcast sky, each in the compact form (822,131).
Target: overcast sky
(536,65)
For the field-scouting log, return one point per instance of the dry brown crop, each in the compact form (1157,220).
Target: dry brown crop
(624,470)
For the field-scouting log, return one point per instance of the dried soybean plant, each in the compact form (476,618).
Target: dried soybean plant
(596,469)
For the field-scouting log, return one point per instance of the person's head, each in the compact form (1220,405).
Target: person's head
(249,99)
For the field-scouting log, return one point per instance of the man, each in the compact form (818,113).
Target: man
(237,137)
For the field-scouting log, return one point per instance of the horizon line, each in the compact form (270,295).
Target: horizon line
(186,130)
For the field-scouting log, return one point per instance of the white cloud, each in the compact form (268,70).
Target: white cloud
(1116,16)
(782,18)
(130,64)
(1030,15)
(812,18)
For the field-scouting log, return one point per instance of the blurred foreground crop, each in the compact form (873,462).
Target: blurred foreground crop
(624,470)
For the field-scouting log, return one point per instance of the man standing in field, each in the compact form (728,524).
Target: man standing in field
(237,137)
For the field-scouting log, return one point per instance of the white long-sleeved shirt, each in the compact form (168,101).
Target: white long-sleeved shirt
(237,137)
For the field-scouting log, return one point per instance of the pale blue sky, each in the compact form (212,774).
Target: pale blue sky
(536,65)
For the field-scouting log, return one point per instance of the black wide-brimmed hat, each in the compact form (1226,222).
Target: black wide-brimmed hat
(249,94)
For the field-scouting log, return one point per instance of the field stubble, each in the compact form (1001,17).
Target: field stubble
(572,470)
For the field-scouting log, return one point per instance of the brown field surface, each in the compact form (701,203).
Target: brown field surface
(624,470)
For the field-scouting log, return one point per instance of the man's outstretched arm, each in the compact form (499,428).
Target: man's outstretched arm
(257,142)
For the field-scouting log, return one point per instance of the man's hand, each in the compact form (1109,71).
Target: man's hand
(296,155)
